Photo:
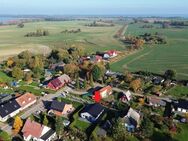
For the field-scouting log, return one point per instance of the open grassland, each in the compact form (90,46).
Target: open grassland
(158,58)
(12,40)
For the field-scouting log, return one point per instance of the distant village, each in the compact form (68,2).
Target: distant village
(72,95)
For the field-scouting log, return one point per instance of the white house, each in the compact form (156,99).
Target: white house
(92,112)
(133,117)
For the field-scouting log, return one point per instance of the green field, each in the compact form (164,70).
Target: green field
(158,58)
(92,38)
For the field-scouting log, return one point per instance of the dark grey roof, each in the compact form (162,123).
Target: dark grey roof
(48,134)
(8,108)
(93,109)
(58,106)
(181,104)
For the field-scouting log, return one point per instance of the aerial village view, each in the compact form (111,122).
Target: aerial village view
(98,70)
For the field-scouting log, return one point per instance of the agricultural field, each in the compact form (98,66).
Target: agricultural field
(158,58)
(91,38)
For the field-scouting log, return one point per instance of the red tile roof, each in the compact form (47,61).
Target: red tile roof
(26,99)
(32,128)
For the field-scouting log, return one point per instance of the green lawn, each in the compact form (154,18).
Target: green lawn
(178,91)
(183,135)
(158,58)
(35,90)
(4,77)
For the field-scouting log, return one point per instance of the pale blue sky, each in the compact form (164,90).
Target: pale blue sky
(95,7)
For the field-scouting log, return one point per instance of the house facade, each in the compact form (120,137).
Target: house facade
(180,106)
(92,112)
(61,108)
(102,93)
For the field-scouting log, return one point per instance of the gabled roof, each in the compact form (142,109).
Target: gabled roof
(25,99)
(47,135)
(64,78)
(32,128)
(93,109)
(8,108)
(134,115)
(56,82)
(156,100)
(58,106)
(61,80)
(182,103)
(107,88)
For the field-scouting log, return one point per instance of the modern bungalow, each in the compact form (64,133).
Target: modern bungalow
(37,132)
(60,108)
(59,82)
(180,106)
(92,112)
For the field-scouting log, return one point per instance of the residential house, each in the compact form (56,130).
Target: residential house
(61,108)
(5,97)
(9,109)
(37,132)
(112,53)
(57,67)
(127,96)
(132,120)
(158,80)
(95,58)
(102,93)
(155,101)
(59,82)
(181,106)
(26,100)
(92,112)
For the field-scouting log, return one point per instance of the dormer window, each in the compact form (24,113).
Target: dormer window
(23,102)
(29,99)
(6,111)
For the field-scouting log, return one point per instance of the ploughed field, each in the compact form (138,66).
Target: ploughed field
(158,58)
(12,40)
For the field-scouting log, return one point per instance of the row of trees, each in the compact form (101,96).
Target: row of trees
(38,33)
(72,31)
(99,24)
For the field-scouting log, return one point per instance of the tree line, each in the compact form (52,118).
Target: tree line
(38,33)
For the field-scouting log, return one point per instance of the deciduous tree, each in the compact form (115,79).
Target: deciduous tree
(17,73)
(18,123)
(136,84)
(59,126)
